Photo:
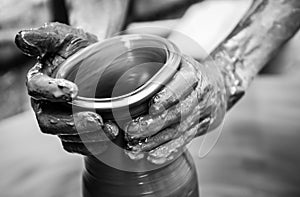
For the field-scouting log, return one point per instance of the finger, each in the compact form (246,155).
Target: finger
(174,148)
(92,148)
(43,87)
(198,116)
(149,125)
(110,131)
(57,120)
(181,85)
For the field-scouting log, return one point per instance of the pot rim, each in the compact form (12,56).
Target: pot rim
(163,75)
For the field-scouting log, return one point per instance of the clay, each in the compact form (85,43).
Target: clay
(52,44)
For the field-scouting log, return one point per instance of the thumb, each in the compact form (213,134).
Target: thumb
(53,38)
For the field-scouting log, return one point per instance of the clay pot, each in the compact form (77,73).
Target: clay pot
(117,78)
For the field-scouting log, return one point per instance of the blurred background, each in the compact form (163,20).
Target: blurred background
(257,152)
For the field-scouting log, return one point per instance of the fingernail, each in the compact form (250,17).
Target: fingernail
(67,87)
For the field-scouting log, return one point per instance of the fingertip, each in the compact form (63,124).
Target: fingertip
(88,119)
(43,87)
(22,40)
(156,109)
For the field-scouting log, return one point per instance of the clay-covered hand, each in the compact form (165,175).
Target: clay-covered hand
(192,103)
(81,132)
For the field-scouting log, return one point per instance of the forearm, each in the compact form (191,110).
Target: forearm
(265,28)
(101,17)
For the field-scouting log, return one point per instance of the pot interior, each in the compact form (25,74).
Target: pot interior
(116,70)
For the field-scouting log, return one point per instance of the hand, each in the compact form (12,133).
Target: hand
(240,57)
(191,104)
(82,132)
